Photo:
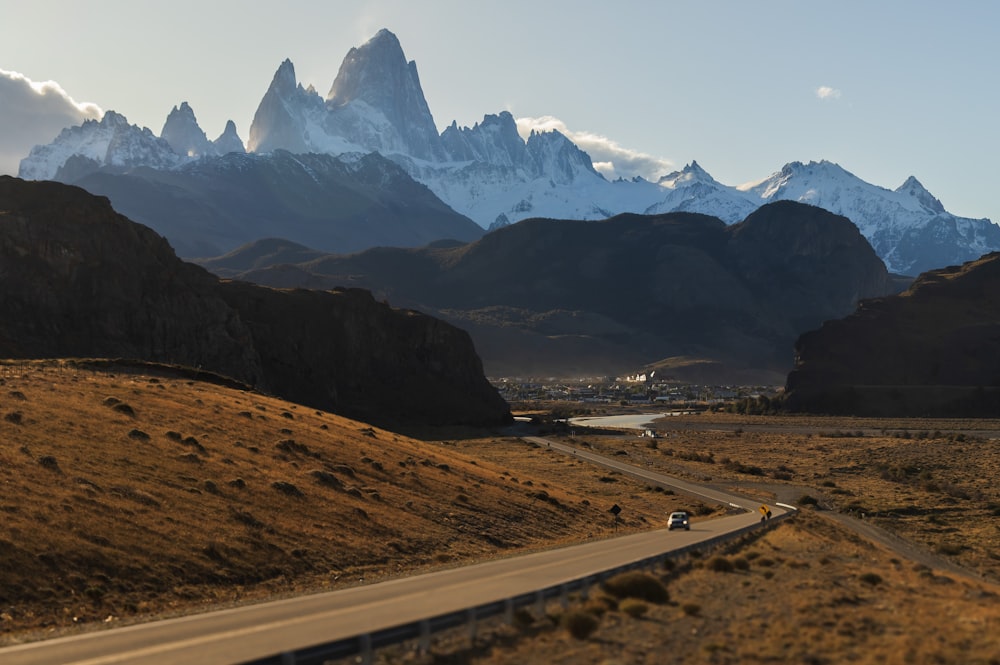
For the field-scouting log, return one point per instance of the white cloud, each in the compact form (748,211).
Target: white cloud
(826,92)
(609,158)
(34,113)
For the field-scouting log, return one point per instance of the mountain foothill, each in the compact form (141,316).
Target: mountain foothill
(550,267)
(82,281)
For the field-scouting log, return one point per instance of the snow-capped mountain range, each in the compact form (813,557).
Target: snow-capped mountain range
(489,173)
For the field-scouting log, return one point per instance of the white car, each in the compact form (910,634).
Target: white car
(679,520)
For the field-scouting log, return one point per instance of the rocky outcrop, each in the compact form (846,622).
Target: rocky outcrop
(932,350)
(79,280)
(342,349)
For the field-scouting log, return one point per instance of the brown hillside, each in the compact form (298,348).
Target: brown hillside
(932,350)
(80,280)
(133,494)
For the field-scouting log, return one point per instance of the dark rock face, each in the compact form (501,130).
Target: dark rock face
(933,350)
(79,280)
(574,298)
(342,349)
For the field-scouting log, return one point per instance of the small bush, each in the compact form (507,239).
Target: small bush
(873,579)
(720,564)
(49,462)
(245,518)
(807,500)
(138,434)
(15,417)
(636,584)
(124,408)
(523,617)
(634,607)
(691,609)
(580,624)
(326,478)
(600,605)
(286,488)
(741,563)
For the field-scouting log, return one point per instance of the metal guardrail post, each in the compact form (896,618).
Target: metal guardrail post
(471,619)
(365,647)
(508,611)
(424,644)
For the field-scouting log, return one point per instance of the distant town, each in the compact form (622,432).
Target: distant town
(633,390)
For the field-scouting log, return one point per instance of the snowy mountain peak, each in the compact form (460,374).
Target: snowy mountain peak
(110,120)
(229,141)
(559,158)
(494,141)
(285,116)
(182,132)
(112,141)
(689,175)
(377,87)
(370,71)
(913,188)
(284,81)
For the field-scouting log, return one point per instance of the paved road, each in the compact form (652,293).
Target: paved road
(647,475)
(246,633)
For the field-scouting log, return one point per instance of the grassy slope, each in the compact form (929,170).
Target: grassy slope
(133,496)
(102,524)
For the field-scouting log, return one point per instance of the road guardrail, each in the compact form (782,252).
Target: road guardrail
(364,644)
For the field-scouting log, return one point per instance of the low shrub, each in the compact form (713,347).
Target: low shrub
(286,488)
(691,609)
(637,584)
(580,624)
(633,607)
(873,579)
(326,478)
(720,564)
(49,462)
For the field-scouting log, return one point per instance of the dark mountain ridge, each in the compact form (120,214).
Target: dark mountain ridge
(80,280)
(933,350)
(336,204)
(583,298)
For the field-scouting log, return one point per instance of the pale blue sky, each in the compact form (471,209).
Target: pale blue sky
(734,85)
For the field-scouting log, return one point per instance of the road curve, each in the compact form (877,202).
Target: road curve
(246,633)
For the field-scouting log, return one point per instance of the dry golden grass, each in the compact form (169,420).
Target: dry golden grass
(130,496)
(808,591)
(930,481)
